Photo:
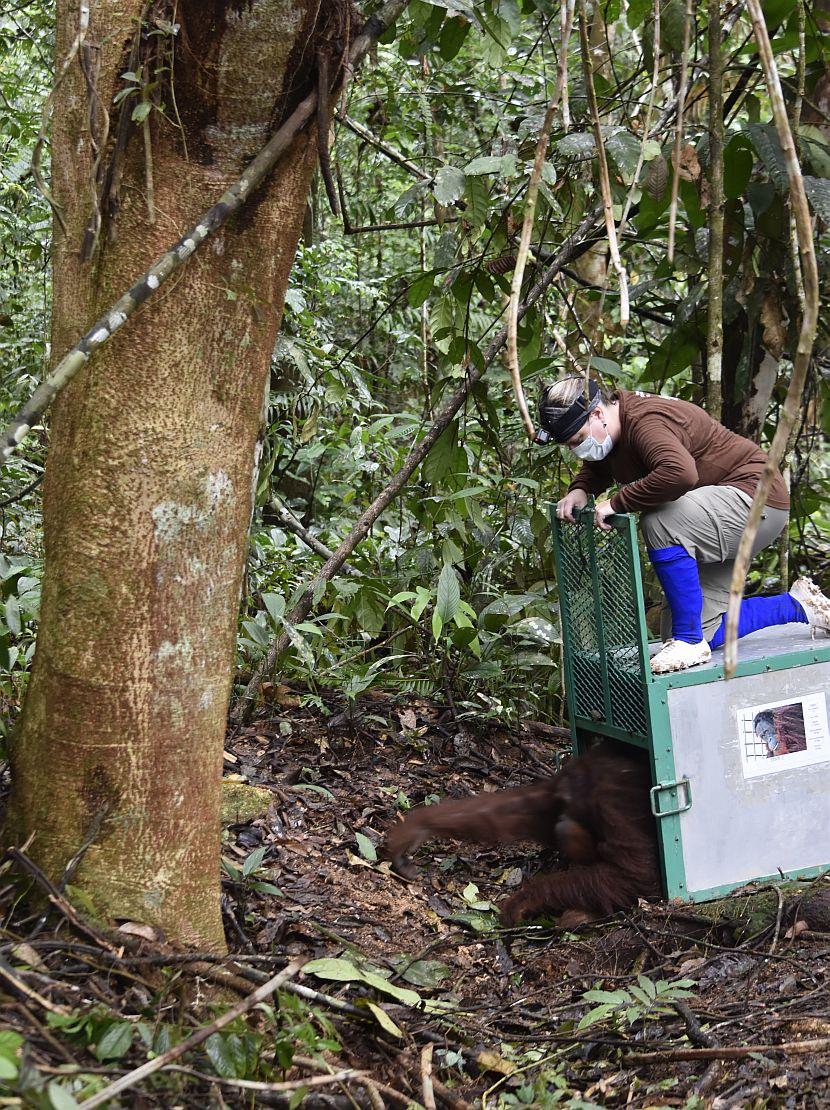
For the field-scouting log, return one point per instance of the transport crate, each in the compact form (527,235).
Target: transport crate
(740,768)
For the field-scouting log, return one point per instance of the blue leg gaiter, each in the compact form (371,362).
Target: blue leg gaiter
(762,612)
(677,573)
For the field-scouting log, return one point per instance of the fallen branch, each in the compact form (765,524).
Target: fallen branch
(427,1087)
(197,1038)
(806,335)
(285,1085)
(173,259)
(11,982)
(61,904)
(527,227)
(729,1052)
(416,456)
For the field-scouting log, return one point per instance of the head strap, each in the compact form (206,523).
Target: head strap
(560,424)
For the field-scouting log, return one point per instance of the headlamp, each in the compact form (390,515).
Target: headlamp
(559,425)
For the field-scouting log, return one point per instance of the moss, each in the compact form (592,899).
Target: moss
(241,802)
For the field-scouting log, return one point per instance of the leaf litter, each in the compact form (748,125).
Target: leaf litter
(411,993)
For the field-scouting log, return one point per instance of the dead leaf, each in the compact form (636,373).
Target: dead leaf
(408,720)
(690,965)
(138,929)
(796,929)
(689,167)
(491,1061)
(774,331)
(25,954)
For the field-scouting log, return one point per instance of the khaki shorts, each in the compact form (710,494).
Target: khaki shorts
(709,523)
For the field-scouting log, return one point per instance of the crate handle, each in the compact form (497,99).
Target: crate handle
(655,792)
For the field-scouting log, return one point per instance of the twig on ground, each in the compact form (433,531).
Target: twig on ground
(284,1085)
(729,1052)
(426,1077)
(151,1066)
(778,915)
(16,985)
(61,904)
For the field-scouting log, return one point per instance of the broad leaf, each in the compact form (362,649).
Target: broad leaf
(449,594)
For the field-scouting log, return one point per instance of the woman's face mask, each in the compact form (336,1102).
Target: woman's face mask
(593,450)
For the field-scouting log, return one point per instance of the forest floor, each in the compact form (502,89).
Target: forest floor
(414,984)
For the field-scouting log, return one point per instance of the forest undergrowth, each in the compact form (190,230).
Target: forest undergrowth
(410,994)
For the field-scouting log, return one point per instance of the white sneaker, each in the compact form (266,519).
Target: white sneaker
(814,603)
(677,655)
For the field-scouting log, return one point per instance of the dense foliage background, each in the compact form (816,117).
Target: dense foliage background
(452,593)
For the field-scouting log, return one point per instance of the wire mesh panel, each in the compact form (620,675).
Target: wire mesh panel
(602,622)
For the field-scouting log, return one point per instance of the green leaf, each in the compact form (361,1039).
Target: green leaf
(421,973)
(254,861)
(366,847)
(421,288)
(60,1098)
(477,197)
(449,185)
(10,1045)
(329,967)
(638,11)
(606,366)
(672,19)
(227,1053)
(275,604)
(579,144)
(599,1013)
(452,37)
(115,1042)
(737,167)
(818,194)
(384,1020)
(402,994)
(623,150)
(13,615)
(344,971)
(437,625)
(765,141)
(314,788)
(448,595)
(440,459)
(141,111)
(487,164)
(266,888)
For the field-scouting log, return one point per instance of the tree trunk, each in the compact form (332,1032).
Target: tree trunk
(148,491)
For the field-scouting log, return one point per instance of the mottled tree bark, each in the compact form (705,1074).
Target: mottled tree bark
(148,490)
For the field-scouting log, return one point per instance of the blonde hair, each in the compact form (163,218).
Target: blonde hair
(563,393)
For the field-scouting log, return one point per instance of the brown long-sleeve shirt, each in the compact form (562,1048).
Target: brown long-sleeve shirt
(668,447)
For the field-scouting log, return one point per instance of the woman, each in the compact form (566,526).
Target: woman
(693,482)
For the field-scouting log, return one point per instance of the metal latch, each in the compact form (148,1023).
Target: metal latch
(679,786)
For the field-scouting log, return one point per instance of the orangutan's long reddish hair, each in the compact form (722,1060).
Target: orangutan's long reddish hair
(595,811)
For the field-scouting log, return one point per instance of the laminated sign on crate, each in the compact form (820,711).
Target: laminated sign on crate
(740,768)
